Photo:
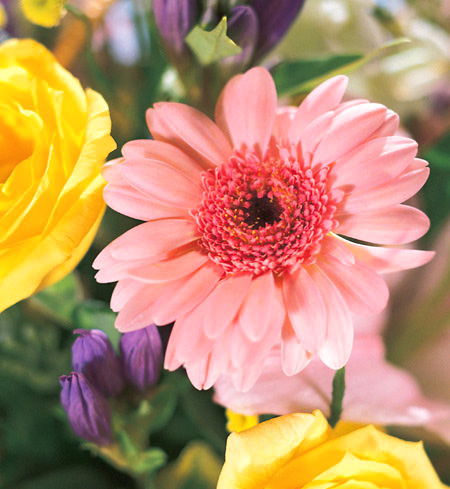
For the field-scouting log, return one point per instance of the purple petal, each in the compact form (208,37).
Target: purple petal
(275,18)
(243,30)
(141,353)
(174,19)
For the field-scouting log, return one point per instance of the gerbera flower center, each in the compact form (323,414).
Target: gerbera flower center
(260,214)
(262,211)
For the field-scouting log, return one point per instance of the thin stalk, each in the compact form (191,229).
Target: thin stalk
(337,397)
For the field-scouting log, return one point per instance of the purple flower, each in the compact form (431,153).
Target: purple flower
(243,28)
(174,19)
(93,355)
(87,409)
(275,17)
(141,353)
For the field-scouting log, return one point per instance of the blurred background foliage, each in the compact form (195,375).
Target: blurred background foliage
(118,52)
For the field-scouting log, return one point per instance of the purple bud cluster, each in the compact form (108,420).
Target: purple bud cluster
(100,374)
(254,25)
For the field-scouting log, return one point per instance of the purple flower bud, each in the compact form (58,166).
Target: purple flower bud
(243,29)
(141,353)
(275,17)
(93,355)
(87,409)
(174,19)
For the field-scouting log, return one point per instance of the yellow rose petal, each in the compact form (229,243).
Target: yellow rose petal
(54,139)
(240,422)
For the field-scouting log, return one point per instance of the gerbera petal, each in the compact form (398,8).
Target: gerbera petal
(222,305)
(373,162)
(314,133)
(334,246)
(255,314)
(137,311)
(181,296)
(305,308)
(349,129)
(128,200)
(246,109)
(148,149)
(364,291)
(339,340)
(388,194)
(294,356)
(153,240)
(189,130)
(283,122)
(323,98)
(151,177)
(389,126)
(123,291)
(398,224)
(168,270)
(388,260)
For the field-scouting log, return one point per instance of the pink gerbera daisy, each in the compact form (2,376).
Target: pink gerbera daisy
(242,247)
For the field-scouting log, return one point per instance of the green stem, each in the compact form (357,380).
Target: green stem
(337,396)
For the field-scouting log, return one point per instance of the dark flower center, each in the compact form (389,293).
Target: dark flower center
(262,211)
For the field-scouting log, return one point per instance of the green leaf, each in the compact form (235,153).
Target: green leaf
(301,76)
(212,46)
(337,396)
(436,191)
(92,314)
(196,468)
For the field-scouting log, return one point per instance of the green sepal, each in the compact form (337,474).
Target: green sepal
(212,46)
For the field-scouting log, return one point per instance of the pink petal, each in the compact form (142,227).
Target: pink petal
(222,305)
(123,198)
(255,314)
(187,342)
(364,290)
(373,162)
(348,130)
(314,133)
(246,109)
(322,99)
(189,130)
(123,291)
(338,343)
(152,240)
(183,295)
(148,149)
(389,126)
(168,270)
(398,224)
(388,260)
(204,372)
(388,194)
(137,312)
(283,122)
(127,200)
(163,183)
(117,270)
(334,246)
(294,356)
(306,309)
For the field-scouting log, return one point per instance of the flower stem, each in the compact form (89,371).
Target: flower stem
(337,396)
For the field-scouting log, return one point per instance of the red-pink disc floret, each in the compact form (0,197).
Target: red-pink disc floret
(259,214)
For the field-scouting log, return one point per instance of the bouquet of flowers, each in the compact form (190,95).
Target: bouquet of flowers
(266,186)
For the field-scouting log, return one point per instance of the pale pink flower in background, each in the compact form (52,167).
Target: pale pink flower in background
(241,247)
(377,392)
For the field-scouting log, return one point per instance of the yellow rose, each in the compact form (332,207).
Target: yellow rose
(301,451)
(54,137)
